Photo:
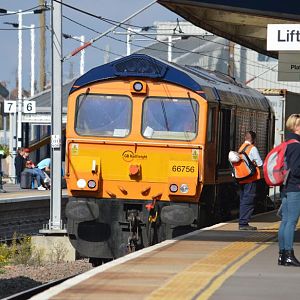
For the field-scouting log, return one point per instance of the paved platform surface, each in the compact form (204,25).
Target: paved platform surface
(214,263)
(13,192)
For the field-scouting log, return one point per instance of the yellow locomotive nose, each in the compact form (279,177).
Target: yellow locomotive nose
(133,171)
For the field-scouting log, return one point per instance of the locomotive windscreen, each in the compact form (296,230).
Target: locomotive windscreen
(170,118)
(103,115)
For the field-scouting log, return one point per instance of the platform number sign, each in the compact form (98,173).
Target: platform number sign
(29,107)
(10,106)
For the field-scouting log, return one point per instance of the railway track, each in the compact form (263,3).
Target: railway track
(25,217)
(36,290)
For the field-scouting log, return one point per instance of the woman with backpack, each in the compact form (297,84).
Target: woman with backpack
(290,195)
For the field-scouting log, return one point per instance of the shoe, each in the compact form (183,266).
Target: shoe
(41,188)
(247,227)
(290,259)
(281,257)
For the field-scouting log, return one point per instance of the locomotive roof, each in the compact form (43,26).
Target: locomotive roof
(217,86)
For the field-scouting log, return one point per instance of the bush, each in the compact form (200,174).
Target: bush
(20,250)
(5,150)
(4,254)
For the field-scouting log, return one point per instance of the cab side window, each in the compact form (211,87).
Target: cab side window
(211,124)
(226,136)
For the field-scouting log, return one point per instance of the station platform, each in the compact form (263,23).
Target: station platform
(218,263)
(14,193)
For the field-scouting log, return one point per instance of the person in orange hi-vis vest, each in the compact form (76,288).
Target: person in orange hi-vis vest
(248,186)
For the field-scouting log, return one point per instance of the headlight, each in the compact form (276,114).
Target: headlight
(91,184)
(81,183)
(184,188)
(173,188)
(138,86)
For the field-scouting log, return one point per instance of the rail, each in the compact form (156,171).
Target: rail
(25,217)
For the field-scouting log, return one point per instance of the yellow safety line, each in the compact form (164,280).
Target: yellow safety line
(207,293)
(203,274)
(209,273)
(189,282)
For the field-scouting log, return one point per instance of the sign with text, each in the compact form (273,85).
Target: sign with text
(29,107)
(283,37)
(10,106)
(55,141)
(289,66)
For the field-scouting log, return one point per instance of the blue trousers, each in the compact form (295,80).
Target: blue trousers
(37,173)
(247,196)
(290,214)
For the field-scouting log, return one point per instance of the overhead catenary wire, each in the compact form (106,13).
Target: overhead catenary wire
(183,51)
(93,46)
(119,40)
(23,28)
(256,76)
(110,21)
(116,26)
(252,75)
(87,44)
(20,12)
(114,22)
(119,24)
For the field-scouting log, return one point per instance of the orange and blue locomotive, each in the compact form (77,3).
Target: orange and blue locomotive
(147,145)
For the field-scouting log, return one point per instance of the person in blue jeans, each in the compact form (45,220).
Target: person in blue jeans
(248,185)
(37,173)
(290,196)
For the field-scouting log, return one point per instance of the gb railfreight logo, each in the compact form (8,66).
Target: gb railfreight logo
(130,156)
(283,37)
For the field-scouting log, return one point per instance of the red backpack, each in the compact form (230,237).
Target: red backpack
(275,168)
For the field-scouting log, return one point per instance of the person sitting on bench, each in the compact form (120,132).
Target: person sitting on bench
(45,165)
(37,173)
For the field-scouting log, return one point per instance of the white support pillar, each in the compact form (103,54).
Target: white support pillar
(55,222)
(170,48)
(82,54)
(20,87)
(128,41)
(32,40)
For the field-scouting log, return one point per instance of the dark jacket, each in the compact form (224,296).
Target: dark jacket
(19,165)
(293,163)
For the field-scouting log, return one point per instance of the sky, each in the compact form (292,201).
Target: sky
(116,10)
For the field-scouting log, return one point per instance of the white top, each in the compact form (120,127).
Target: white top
(254,155)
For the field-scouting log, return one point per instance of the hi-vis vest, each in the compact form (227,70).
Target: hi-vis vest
(257,175)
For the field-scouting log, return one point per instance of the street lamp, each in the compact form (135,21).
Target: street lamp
(32,55)
(17,118)
(20,26)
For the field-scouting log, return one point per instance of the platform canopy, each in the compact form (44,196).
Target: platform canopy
(241,21)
